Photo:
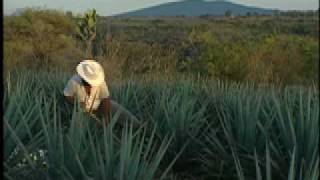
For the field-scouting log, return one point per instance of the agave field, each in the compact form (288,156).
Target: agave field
(192,129)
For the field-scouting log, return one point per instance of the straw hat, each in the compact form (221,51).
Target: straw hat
(91,71)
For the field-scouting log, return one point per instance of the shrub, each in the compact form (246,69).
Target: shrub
(39,38)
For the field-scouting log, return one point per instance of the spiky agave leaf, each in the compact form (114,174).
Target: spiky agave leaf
(21,137)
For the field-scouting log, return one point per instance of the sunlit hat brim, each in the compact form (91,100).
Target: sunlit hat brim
(91,71)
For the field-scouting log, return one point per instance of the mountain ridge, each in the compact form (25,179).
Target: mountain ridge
(196,8)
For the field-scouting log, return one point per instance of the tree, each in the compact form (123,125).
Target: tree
(39,38)
(86,30)
(69,14)
(228,13)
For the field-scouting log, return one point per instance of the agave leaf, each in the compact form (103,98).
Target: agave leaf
(19,143)
(258,170)
(292,170)
(268,163)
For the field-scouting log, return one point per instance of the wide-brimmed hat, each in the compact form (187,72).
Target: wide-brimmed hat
(91,71)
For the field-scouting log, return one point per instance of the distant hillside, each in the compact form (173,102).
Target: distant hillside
(197,8)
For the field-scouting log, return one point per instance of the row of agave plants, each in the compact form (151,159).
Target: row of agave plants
(192,129)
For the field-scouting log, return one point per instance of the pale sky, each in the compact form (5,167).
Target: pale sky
(110,7)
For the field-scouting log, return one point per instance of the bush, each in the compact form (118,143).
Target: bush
(272,58)
(285,59)
(39,38)
(128,58)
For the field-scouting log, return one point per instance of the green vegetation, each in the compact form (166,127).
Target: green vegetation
(281,49)
(260,49)
(39,39)
(86,30)
(217,96)
(193,128)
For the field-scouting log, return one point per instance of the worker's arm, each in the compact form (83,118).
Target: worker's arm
(106,102)
(106,109)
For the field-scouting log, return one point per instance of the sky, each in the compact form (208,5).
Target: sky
(111,7)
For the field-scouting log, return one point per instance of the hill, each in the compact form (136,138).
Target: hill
(197,8)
